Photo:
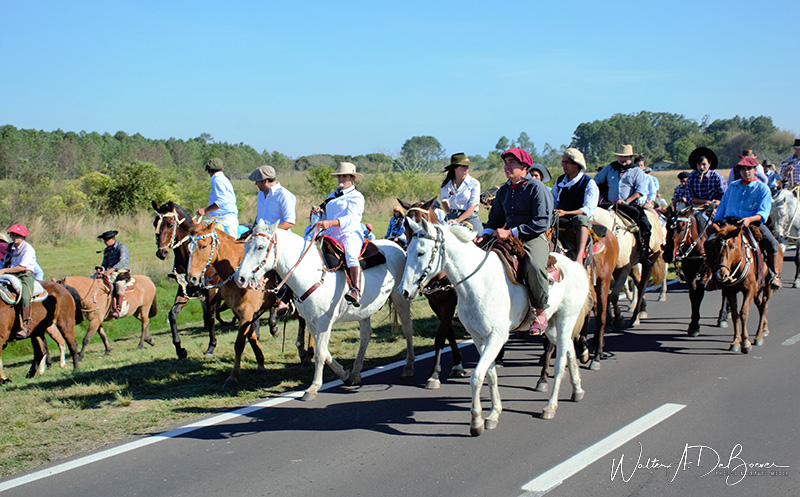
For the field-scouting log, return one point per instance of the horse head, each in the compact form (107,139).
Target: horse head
(172,225)
(256,261)
(682,234)
(203,246)
(418,211)
(728,252)
(425,256)
(781,214)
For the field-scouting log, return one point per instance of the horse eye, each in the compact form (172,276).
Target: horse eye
(420,254)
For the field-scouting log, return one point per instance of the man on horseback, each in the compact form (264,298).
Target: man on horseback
(342,213)
(222,199)
(749,201)
(274,204)
(680,195)
(20,260)
(790,168)
(116,267)
(523,207)
(627,187)
(576,197)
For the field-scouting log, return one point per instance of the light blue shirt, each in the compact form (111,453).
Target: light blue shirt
(276,205)
(634,180)
(745,200)
(651,195)
(223,196)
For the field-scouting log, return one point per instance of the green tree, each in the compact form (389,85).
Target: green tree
(502,144)
(420,154)
(321,180)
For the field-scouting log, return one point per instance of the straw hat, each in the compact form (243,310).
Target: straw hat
(346,168)
(625,151)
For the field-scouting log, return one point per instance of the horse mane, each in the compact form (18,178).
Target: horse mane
(463,233)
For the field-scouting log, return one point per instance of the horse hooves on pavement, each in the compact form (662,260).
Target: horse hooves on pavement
(542,386)
(796,284)
(693,331)
(432,384)
(476,431)
(594,365)
(459,373)
(734,348)
(578,396)
(758,342)
(746,349)
(408,372)
(308,396)
(490,424)
(548,413)
(722,324)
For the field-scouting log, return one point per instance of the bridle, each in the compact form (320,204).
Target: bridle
(438,246)
(177,220)
(747,261)
(214,249)
(272,242)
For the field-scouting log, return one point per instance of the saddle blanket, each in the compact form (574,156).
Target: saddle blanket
(10,286)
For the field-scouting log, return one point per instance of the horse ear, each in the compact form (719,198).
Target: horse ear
(404,205)
(155,205)
(213,225)
(427,205)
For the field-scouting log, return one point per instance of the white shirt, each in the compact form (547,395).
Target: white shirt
(24,256)
(276,205)
(223,195)
(463,197)
(348,209)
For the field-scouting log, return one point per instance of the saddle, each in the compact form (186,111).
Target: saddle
(11,287)
(594,245)
(512,251)
(333,254)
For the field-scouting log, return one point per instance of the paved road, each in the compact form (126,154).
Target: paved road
(671,397)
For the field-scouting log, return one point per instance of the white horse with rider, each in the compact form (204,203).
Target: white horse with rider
(785,217)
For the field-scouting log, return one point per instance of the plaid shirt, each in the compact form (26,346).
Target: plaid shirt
(795,174)
(710,187)
(681,191)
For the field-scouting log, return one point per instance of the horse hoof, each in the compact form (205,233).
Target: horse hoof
(766,332)
(498,363)
(433,384)
(722,324)
(408,372)
(619,323)
(584,357)
(595,365)
(734,348)
(350,380)
(578,396)
(3,381)
(746,348)
(150,341)
(796,284)
(694,331)
(476,431)
(548,413)
(230,383)
(458,373)
(490,424)
(643,315)
(308,396)
(758,342)
(542,386)
(182,354)
(107,353)
(662,298)
(634,323)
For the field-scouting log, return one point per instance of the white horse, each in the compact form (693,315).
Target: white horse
(490,306)
(786,216)
(319,295)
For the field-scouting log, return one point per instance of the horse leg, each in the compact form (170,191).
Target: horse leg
(565,355)
(747,299)
(488,348)
(549,347)
(696,294)
(620,277)
(403,308)
(102,332)
(238,349)
(321,356)
(724,311)
(662,297)
(93,326)
(55,334)
(796,282)
(172,317)
(252,339)
(273,322)
(3,379)
(39,359)
(735,314)
(304,355)
(354,377)
(211,304)
(640,310)
(433,382)
(143,315)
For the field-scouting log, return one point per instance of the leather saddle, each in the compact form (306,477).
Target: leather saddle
(511,253)
(594,245)
(333,254)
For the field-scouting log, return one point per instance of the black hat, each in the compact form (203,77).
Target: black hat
(682,175)
(700,152)
(108,235)
(796,143)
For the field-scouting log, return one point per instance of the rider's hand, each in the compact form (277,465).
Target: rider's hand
(560,212)
(502,234)
(477,240)
(315,209)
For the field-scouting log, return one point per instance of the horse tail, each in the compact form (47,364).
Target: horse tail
(77,298)
(153,308)
(659,271)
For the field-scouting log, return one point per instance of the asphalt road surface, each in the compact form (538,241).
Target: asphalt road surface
(666,415)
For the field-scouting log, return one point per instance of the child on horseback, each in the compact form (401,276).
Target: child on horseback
(342,213)
(20,260)
(116,266)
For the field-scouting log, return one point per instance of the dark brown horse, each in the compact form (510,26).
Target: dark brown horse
(55,315)
(738,267)
(442,299)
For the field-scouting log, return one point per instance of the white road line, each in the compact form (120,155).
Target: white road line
(203,423)
(791,341)
(556,475)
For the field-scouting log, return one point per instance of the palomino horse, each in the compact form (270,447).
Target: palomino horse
(319,296)
(687,231)
(97,305)
(442,299)
(56,315)
(628,257)
(738,269)
(785,216)
(492,306)
(211,247)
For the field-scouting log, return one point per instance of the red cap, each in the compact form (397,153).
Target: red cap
(369,227)
(749,161)
(18,229)
(523,156)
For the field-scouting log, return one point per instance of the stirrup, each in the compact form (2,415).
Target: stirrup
(353,297)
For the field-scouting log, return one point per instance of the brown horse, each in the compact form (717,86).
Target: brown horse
(210,247)
(738,267)
(56,315)
(97,305)
(442,300)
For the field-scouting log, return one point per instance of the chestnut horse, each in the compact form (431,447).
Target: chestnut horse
(96,305)
(211,247)
(56,315)
(738,268)
(442,299)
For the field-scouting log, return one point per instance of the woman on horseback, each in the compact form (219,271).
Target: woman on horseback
(461,193)
(342,213)
(20,260)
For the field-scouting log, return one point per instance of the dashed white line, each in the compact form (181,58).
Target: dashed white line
(791,341)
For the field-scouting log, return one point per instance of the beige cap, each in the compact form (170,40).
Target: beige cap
(576,156)
(263,173)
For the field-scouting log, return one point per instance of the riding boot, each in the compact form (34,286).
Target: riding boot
(583,238)
(24,322)
(775,264)
(354,294)
(117,306)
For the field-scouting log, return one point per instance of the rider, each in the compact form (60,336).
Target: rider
(116,266)
(704,186)
(576,197)
(790,168)
(221,200)
(761,175)
(523,207)
(461,193)
(627,188)
(342,213)
(680,196)
(274,203)
(396,232)
(749,201)
(20,260)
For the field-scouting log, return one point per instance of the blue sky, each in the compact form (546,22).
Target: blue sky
(361,77)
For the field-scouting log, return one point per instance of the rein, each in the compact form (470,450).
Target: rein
(214,250)
(171,245)
(746,260)
(439,245)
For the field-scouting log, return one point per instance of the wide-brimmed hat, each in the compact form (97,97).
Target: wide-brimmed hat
(542,170)
(348,168)
(263,173)
(18,229)
(576,156)
(701,152)
(767,163)
(796,143)
(214,164)
(108,235)
(459,159)
(625,151)
(522,155)
(747,162)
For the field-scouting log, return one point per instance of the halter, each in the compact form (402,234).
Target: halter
(684,254)
(273,242)
(214,248)
(171,245)
(438,244)
(746,260)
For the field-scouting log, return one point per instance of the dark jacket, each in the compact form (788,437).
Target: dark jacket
(116,256)
(528,207)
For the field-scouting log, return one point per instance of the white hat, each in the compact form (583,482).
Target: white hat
(348,168)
